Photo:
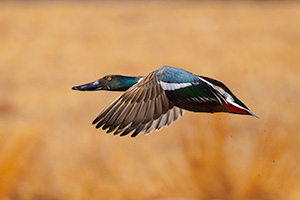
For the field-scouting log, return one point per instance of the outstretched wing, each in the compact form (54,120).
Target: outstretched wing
(143,107)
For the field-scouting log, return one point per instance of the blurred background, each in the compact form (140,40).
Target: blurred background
(50,151)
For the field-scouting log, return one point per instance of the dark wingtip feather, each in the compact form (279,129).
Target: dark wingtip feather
(99,121)
(96,120)
(111,129)
(99,125)
(137,131)
(127,131)
(117,132)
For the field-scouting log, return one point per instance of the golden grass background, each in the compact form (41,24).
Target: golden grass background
(49,149)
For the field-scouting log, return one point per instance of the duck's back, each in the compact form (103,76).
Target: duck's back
(170,74)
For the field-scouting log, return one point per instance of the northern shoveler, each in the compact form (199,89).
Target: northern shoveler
(158,99)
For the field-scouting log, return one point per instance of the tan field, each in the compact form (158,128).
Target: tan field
(49,149)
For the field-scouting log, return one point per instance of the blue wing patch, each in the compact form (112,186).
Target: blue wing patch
(170,74)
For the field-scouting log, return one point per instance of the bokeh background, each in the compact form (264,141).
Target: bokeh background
(50,151)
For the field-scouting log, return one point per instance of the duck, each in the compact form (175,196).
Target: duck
(157,100)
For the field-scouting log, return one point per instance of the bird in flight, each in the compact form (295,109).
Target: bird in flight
(160,98)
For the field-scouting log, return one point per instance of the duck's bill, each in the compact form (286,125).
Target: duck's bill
(89,86)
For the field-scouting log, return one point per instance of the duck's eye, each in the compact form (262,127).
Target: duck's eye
(109,78)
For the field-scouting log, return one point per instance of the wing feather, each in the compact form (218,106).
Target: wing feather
(143,107)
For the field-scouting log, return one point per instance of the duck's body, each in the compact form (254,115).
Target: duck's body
(156,100)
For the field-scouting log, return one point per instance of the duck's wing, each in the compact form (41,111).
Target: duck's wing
(196,94)
(143,107)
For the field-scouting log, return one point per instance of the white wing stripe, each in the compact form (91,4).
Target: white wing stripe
(174,86)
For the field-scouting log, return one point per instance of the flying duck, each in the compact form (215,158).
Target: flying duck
(160,98)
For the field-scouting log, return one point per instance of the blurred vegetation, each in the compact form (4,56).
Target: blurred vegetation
(50,150)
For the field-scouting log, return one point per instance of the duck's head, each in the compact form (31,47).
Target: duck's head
(110,82)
